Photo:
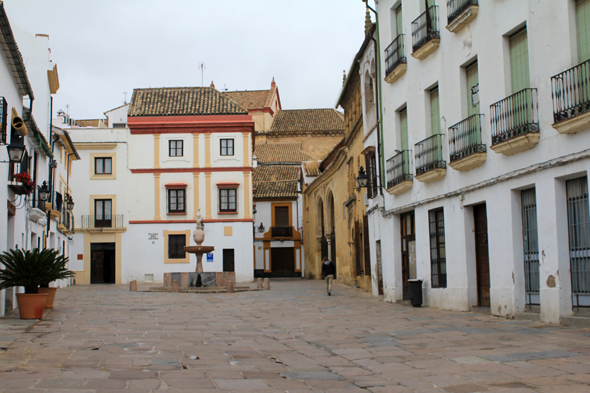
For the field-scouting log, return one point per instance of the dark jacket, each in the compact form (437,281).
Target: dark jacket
(328,268)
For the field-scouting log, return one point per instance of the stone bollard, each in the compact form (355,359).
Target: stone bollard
(133,286)
(259,283)
(167,279)
(230,287)
(175,286)
(266,284)
(184,280)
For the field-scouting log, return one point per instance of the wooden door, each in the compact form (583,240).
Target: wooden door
(379,267)
(357,249)
(97,267)
(482,255)
(408,250)
(282,262)
(366,249)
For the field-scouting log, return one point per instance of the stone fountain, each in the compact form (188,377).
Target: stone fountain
(199,237)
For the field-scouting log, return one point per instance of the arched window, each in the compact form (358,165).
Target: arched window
(369,91)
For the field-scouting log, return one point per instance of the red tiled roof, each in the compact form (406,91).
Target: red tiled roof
(180,101)
(255,99)
(91,122)
(276,181)
(280,153)
(311,168)
(308,120)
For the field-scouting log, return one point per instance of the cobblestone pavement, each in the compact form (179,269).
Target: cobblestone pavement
(292,339)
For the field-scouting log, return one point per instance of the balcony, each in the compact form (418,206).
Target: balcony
(56,206)
(281,232)
(399,174)
(102,222)
(466,150)
(460,13)
(571,99)
(425,34)
(515,123)
(430,166)
(66,222)
(395,60)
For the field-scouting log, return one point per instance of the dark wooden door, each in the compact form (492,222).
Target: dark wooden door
(282,262)
(408,240)
(97,267)
(379,267)
(229,264)
(481,255)
(102,263)
(366,249)
(357,249)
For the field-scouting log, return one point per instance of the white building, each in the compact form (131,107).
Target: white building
(147,181)
(485,154)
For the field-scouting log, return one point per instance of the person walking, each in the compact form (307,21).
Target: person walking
(328,272)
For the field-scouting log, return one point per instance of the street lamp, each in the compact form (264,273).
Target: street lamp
(69,202)
(362,178)
(16,151)
(44,192)
(261,228)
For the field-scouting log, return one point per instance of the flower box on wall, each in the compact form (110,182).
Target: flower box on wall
(17,187)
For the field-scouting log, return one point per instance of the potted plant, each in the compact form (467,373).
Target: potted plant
(22,183)
(29,269)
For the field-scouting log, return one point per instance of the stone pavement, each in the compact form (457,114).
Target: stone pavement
(292,339)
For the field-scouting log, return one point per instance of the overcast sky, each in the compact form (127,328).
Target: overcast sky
(108,47)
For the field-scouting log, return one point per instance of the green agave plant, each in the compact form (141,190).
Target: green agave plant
(30,269)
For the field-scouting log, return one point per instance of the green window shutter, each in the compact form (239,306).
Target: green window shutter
(519,61)
(398,20)
(583,29)
(403,119)
(434,112)
(472,81)
(430,3)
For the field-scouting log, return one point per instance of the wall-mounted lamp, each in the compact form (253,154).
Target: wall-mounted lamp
(362,178)
(261,228)
(69,202)
(16,151)
(44,192)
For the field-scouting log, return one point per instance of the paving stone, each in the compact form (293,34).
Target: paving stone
(303,376)
(242,384)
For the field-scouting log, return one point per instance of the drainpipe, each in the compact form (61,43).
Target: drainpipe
(379,100)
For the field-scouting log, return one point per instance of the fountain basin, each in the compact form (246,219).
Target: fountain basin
(198,249)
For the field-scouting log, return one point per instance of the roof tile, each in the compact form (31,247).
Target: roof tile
(308,120)
(251,100)
(280,153)
(276,181)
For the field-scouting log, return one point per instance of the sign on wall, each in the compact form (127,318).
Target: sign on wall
(210,257)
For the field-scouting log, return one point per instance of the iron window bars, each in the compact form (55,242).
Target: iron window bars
(425,28)
(570,91)
(465,138)
(429,154)
(398,168)
(514,116)
(394,54)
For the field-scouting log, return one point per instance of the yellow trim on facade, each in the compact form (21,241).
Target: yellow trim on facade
(112,197)
(228,231)
(208,195)
(157,196)
(83,277)
(187,257)
(246,150)
(207,150)
(156,150)
(113,175)
(280,204)
(195,150)
(247,194)
(196,179)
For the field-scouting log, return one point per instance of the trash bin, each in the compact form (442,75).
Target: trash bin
(416,292)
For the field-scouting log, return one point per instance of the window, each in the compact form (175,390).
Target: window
(229,260)
(583,29)
(119,125)
(102,213)
(228,200)
(472,76)
(175,148)
(434,112)
(403,121)
(176,245)
(371,170)
(438,259)
(103,166)
(519,61)
(227,147)
(176,201)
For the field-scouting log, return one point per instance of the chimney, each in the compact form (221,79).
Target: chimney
(273,84)
(212,85)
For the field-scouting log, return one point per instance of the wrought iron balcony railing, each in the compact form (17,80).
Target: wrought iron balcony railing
(514,116)
(102,221)
(429,154)
(67,220)
(465,138)
(456,7)
(425,28)
(282,231)
(398,168)
(571,92)
(394,54)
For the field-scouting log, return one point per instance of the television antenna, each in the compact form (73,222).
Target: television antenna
(202,67)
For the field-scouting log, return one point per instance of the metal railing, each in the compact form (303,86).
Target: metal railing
(429,154)
(465,138)
(398,168)
(394,54)
(425,28)
(281,231)
(514,116)
(456,7)
(104,221)
(571,92)
(67,219)
(57,203)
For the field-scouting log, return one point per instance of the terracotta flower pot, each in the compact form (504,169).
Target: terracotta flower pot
(50,295)
(31,305)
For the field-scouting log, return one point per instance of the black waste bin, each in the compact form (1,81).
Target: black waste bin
(416,292)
